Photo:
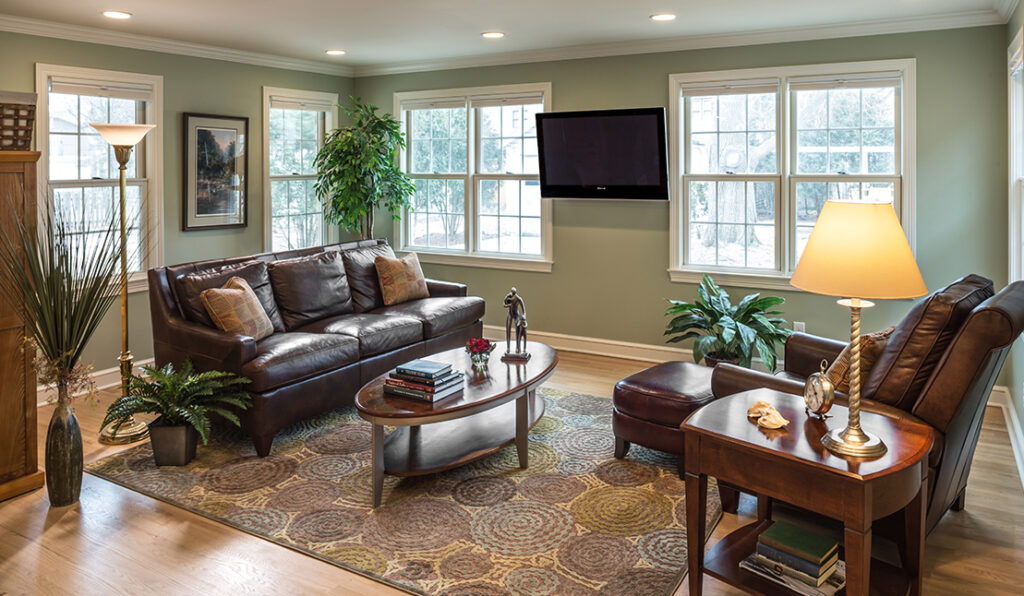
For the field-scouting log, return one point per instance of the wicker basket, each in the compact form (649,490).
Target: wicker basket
(17,117)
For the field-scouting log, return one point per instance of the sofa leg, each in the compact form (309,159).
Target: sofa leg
(263,443)
(621,447)
(960,502)
(730,498)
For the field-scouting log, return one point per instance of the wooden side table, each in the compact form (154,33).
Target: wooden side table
(791,465)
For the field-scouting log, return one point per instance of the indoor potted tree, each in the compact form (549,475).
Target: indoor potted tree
(357,170)
(59,282)
(183,401)
(724,332)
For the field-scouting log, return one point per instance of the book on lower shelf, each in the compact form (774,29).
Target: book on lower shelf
(769,570)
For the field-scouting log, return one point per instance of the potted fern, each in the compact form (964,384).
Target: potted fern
(183,400)
(724,332)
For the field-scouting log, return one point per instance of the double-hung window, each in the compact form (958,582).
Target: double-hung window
(81,173)
(472,154)
(759,151)
(296,123)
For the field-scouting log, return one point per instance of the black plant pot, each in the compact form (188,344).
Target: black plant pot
(173,445)
(713,359)
(63,457)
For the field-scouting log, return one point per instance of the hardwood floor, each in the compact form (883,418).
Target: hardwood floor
(116,541)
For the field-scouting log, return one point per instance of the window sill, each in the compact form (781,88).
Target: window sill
(779,281)
(540,264)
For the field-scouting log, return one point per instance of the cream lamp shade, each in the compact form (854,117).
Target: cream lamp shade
(122,135)
(857,250)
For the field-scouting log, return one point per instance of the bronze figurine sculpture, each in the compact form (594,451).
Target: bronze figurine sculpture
(516,318)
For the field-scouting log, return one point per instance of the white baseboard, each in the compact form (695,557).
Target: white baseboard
(103,379)
(1000,398)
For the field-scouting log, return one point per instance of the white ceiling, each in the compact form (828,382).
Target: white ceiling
(397,35)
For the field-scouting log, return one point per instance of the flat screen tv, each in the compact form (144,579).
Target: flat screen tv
(605,154)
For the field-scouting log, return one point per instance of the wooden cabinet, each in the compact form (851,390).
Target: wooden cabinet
(19,468)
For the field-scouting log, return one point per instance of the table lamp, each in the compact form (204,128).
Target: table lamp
(123,137)
(857,250)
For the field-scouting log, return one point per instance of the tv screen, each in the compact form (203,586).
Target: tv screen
(607,154)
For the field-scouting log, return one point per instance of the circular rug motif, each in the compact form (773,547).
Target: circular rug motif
(620,472)
(350,438)
(325,525)
(590,405)
(621,511)
(664,548)
(248,474)
(576,467)
(542,459)
(466,565)
(305,496)
(263,521)
(414,570)
(519,528)
(598,556)
(551,488)
(585,443)
(532,581)
(480,589)
(483,491)
(578,420)
(172,483)
(417,524)
(360,557)
(328,467)
(639,581)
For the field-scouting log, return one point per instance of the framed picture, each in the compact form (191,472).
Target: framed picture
(215,172)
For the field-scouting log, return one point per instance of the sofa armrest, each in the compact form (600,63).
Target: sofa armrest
(728,379)
(804,353)
(446,288)
(211,346)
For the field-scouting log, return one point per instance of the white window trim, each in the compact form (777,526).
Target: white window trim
(300,96)
(1015,183)
(468,257)
(137,282)
(681,273)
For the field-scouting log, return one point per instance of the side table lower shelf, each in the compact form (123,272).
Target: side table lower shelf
(722,562)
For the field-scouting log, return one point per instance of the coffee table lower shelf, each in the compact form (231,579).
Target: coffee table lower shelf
(440,446)
(723,563)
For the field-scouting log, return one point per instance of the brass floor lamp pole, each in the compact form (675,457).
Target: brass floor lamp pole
(123,137)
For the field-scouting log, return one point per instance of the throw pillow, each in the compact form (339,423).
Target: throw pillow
(310,288)
(362,275)
(189,287)
(235,309)
(401,280)
(871,346)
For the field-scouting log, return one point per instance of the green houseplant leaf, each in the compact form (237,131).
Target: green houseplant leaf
(728,331)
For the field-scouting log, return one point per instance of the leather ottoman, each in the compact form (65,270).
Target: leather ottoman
(649,406)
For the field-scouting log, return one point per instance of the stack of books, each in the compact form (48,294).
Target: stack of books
(799,559)
(424,380)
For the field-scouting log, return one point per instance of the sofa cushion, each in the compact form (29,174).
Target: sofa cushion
(401,280)
(919,341)
(362,275)
(189,288)
(310,288)
(439,315)
(235,309)
(376,333)
(285,358)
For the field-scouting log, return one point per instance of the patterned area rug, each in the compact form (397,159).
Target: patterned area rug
(576,522)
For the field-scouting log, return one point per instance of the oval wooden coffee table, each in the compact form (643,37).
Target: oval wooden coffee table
(495,408)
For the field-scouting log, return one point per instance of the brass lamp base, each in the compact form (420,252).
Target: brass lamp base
(131,431)
(854,442)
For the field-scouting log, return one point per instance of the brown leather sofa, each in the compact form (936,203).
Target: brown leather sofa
(937,368)
(332,332)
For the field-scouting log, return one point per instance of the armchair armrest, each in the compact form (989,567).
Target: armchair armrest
(804,353)
(208,348)
(446,288)
(728,379)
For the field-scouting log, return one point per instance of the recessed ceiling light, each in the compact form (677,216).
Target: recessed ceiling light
(117,14)
(663,16)
(335,52)
(492,35)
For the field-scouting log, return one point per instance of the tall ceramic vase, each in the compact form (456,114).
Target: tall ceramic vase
(63,453)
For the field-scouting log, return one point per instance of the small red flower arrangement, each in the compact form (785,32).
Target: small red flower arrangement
(479,350)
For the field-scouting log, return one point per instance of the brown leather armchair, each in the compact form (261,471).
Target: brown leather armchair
(938,368)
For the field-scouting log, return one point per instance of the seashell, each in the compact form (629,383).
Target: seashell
(758,409)
(772,419)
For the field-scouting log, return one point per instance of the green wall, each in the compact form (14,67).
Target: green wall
(190,85)
(609,277)
(1014,370)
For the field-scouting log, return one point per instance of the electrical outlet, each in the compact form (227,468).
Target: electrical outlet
(799,326)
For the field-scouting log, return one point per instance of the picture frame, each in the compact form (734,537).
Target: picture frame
(215,189)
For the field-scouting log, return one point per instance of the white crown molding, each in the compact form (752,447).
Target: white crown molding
(974,18)
(13,24)
(1005,8)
